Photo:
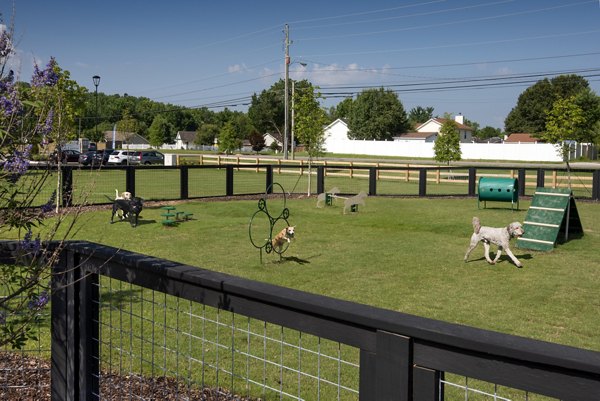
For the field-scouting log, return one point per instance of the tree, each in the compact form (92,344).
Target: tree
(206,134)
(257,141)
(447,145)
(531,111)
(342,110)
(229,140)
(565,123)
(377,114)
(419,115)
(310,120)
(30,114)
(489,132)
(160,131)
(266,110)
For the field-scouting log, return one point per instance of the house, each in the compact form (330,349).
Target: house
(186,140)
(417,136)
(522,137)
(336,130)
(434,125)
(120,139)
(271,138)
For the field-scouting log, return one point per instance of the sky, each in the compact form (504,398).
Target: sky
(473,57)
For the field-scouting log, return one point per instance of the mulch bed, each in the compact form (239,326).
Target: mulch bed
(26,378)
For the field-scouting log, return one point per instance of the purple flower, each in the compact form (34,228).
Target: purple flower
(39,301)
(18,163)
(46,127)
(49,206)
(9,100)
(6,46)
(29,245)
(45,77)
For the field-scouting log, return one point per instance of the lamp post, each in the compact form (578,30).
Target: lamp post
(96,79)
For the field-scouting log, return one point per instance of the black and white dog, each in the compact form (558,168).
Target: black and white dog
(131,209)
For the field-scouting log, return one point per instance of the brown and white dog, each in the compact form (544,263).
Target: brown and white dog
(498,236)
(285,235)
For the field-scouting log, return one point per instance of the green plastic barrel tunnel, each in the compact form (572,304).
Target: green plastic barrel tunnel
(498,189)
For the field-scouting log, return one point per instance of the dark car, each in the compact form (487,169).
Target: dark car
(66,156)
(95,157)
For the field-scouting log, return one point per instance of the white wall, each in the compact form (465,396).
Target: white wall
(472,151)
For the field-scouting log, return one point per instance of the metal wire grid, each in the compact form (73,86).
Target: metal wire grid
(468,389)
(161,343)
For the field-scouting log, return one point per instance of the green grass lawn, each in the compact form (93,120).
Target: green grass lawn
(399,254)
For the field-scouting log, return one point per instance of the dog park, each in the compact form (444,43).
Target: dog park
(399,253)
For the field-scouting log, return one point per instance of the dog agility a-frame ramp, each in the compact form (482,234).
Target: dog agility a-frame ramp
(552,211)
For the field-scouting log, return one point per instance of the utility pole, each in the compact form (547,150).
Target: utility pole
(286,94)
(292,130)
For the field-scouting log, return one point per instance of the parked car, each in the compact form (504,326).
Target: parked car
(102,156)
(152,157)
(136,157)
(124,157)
(87,158)
(66,156)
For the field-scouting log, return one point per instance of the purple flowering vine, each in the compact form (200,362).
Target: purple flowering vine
(6,45)
(49,206)
(45,77)
(18,163)
(39,301)
(31,245)
(10,104)
(46,127)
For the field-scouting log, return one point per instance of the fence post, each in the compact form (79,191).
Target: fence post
(229,180)
(426,384)
(372,181)
(67,186)
(368,377)
(596,185)
(393,367)
(422,182)
(320,179)
(62,377)
(541,178)
(89,347)
(472,180)
(269,176)
(130,179)
(183,182)
(521,178)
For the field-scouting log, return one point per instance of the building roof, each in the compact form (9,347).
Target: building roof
(125,137)
(522,137)
(187,136)
(441,121)
(416,135)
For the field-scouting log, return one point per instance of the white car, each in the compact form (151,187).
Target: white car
(124,157)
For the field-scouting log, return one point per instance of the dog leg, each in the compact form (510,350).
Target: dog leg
(513,257)
(498,253)
(472,246)
(486,247)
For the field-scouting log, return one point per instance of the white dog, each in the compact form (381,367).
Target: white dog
(287,234)
(498,236)
(123,195)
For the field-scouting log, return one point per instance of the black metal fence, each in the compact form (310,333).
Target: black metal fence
(398,356)
(198,181)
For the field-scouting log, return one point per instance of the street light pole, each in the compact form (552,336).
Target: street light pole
(286,94)
(96,79)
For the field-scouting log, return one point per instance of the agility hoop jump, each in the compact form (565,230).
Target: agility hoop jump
(263,222)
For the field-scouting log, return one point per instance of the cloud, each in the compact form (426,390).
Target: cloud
(236,68)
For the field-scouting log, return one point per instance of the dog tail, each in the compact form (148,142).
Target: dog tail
(476,225)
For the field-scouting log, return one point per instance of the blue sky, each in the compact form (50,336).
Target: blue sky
(459,56)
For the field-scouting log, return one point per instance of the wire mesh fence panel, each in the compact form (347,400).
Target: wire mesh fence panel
(204,182)
(24,360)
(249,180)
(296,181)
(469,389)
(161,345)
(158,184)
(93,186)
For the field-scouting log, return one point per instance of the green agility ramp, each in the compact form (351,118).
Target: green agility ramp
(552,211)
